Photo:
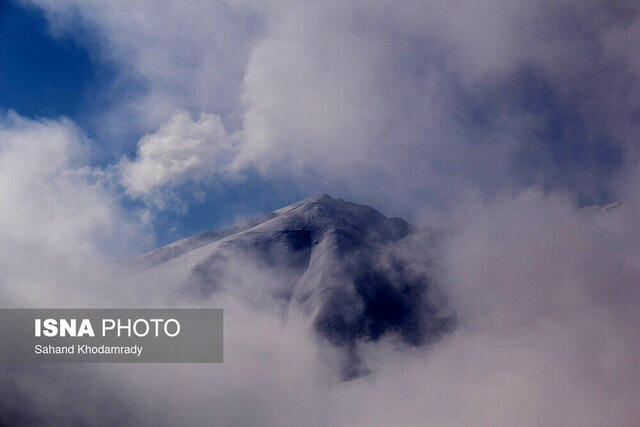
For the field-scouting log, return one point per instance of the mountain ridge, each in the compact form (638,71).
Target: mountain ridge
(179,247)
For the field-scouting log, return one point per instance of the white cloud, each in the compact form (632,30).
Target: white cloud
(59,220)
(182,149)
(373,98)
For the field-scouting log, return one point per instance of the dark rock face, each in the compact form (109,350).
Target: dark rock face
(338,262)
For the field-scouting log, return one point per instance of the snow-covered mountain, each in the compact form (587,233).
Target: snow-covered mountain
(354,273)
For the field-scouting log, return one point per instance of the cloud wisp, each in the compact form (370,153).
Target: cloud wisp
(183,149)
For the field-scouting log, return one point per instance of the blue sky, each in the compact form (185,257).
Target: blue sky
(42,76)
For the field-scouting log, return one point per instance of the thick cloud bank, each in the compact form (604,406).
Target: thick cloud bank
(545,297)
(492,95)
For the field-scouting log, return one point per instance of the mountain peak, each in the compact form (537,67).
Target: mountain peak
(319,213)
(322,212)
(322,197)
(334,261)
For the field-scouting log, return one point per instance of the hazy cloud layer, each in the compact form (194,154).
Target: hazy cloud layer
(545,294)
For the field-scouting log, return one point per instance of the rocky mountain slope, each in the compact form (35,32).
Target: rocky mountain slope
(346,267)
